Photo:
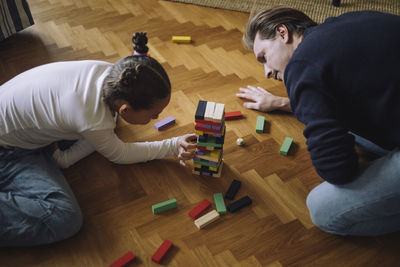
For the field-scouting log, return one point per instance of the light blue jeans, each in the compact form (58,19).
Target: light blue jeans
(37,205)
(368,206)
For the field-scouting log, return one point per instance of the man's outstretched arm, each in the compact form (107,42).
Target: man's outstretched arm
(263,100)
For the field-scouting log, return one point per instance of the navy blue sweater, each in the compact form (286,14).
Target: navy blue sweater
(345,76)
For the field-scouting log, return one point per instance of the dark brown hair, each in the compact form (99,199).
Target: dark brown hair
(267,20)
(140,80)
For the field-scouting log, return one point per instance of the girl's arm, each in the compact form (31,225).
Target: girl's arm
(76,152)
(107,143)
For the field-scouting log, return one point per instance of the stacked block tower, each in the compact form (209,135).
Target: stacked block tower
(210,126)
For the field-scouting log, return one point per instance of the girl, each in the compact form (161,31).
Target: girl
(74,100)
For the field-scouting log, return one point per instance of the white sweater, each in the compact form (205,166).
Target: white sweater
(63,101)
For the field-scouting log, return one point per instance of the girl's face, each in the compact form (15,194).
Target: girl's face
(143,116)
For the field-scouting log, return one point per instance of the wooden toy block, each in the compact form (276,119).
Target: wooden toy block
(164,206)
(218,174)
(164,123)
(208,126)
(208,116)
(233,115)
(209,144)
(210,170)
(181,39)
(217,127)
(211,156)
(237,205)
(161,251)
(207,219)
(123,260)
(260,124)
(205,130)
(220,203)
(199,209)
(201,109)
(233,189)
(219,112)
(207,149)
(198,132)
(216,154)
(195,165)
(214,169)
(201,151)
(209,122)
(286,146)
(203,138)
(204,125)
(205,162)
(199,167)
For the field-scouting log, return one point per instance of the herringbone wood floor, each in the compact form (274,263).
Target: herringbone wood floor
(116,199)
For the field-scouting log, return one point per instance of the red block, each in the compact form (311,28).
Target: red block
(196,211)
(208,122)
(233,115)
(159,254)
(123,260)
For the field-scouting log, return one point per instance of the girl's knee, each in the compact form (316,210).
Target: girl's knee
(63,224)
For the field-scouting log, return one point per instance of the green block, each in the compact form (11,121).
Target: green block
(207,164)
(164,206)
(220,203)
(209,144)
(260,124)
(286,146)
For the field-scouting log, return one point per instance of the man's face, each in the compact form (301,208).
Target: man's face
(274,53)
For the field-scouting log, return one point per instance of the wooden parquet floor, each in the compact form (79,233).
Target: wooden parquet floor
(116,199)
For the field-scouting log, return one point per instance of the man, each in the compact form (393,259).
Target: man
(343,82)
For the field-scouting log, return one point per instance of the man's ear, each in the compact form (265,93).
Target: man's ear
(282,32)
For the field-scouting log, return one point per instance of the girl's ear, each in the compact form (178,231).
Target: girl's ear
(123,108)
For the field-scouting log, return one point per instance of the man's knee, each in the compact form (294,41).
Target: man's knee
(322,212)
(315,209)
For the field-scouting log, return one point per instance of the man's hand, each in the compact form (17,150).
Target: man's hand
(186,147)
(263,100)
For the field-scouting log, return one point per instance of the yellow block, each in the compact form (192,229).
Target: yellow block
(198,132)
(195,165)
(181,39)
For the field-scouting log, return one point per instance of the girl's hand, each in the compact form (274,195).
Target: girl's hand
(186,147)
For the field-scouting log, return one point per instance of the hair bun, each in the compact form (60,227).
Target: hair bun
(129,74)
(139,41)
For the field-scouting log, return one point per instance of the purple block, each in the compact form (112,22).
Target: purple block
(196,159)
(200,152)
(216,127)
(164,123)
